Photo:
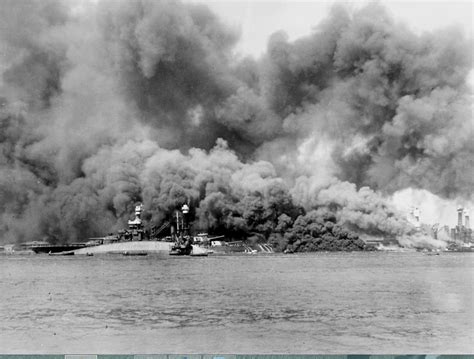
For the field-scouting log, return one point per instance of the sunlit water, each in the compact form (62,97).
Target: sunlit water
(312,303)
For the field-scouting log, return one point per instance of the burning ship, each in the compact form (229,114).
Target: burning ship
(460,237)
(136,241)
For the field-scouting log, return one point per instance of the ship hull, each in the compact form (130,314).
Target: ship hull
(135,248)
(56,248)
(131,247)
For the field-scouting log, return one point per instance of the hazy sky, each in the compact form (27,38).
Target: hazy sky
(258,19)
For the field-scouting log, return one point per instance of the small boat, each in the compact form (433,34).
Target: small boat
(68,253)
(181,250)
(432,253)
(126,253)
(199,253)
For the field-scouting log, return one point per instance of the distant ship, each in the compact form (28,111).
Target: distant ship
(456,247)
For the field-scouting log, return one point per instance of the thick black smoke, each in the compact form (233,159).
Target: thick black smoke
(393,107)
(111,103)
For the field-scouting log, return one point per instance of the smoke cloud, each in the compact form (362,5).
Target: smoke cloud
(116,102)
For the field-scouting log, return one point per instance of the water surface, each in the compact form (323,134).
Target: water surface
(310,303)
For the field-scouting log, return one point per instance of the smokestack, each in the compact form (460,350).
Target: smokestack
(416,214)
(466,219)
(460,212)
(415,219)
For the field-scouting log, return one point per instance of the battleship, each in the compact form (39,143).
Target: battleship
(136,241)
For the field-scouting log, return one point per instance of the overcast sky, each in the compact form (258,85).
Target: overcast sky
(258,19)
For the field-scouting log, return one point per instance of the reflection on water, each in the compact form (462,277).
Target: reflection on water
(324,303)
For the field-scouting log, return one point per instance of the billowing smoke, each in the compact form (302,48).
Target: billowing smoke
(103,105)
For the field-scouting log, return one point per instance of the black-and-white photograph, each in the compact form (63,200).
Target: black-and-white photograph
(236,177)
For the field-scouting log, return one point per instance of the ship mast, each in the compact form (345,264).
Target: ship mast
(183,241)
(182,227)
(135,226)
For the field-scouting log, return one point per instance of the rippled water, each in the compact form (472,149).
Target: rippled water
(313,303)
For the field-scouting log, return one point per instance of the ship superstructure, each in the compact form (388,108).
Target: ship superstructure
(183,244)
(135,226)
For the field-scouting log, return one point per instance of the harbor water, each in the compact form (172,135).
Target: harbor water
(371,302)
